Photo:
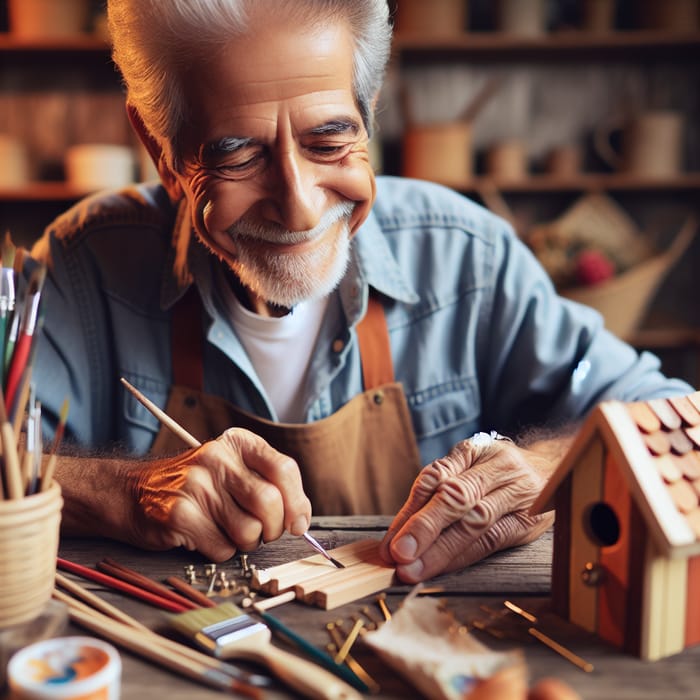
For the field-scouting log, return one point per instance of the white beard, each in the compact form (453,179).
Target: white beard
(286,279)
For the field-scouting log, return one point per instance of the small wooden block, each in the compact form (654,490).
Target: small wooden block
(694,434)
(644,417)
(680,442)
(689,464)
(695,399)
(696,485)
(669,470)
(317,582)
(665,413)
(685,409)
(683,495)
(657,442)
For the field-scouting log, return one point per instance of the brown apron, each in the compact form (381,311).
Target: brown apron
(360,460)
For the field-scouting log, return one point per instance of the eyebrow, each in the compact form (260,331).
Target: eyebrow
(227,144)
(335,126)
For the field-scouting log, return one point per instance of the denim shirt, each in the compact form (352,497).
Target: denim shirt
(479,338)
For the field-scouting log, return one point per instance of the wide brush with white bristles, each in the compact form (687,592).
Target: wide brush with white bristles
(227,632)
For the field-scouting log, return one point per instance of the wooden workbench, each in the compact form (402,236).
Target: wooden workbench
(521,575)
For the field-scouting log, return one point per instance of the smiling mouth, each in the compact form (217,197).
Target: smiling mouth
(282,239)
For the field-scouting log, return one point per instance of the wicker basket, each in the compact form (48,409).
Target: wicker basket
(623,300)
(29,531)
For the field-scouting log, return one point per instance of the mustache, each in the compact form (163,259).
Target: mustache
(274,233)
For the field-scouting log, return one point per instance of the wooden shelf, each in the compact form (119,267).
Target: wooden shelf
(583,183)
(86,43)
(497,45)
(42,192)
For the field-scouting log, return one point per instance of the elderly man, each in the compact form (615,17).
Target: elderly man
(349,328)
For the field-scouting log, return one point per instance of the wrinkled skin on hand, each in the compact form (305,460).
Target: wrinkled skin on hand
(465,506)
(229,494)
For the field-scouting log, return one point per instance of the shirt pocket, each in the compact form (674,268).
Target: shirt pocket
(443,414)
(140,426)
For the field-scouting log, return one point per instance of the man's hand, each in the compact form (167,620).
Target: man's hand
(230,494)
(469,504)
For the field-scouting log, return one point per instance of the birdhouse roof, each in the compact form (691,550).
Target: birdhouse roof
(656,443)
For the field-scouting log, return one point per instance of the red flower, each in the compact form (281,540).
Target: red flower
(593,267)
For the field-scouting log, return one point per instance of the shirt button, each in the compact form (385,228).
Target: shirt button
(378,398)
(338,345)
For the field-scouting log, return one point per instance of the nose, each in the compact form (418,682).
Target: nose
(297,198)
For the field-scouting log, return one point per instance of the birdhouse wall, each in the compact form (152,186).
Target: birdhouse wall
(614,558)
(692,613)
(663,604)
(587,485)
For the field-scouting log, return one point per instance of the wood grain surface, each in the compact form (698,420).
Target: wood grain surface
(476,594)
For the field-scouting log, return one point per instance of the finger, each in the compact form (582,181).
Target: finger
(459,459)
(207,515)
(283,473)
(453,551)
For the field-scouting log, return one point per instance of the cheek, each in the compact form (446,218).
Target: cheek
(355,181)
(216,206)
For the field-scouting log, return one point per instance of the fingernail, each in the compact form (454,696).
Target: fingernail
(412,571)
(406,547)
(300,525)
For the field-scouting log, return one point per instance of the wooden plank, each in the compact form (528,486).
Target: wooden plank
(351,589)
(586,489)
(562,549)
(653,613)
(676,587)
(612,598)
(635,589)
(692,611)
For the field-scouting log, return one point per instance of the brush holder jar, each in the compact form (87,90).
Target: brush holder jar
(29,531)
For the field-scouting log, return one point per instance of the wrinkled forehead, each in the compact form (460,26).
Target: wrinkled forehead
(277,68)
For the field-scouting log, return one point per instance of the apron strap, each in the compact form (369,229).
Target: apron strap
(375,349)
(186,343)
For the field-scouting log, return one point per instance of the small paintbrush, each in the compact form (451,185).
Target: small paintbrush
(192,441)
(227,632)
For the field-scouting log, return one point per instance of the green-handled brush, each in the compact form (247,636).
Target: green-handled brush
(227,632)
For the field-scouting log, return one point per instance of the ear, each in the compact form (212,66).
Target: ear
(155,150)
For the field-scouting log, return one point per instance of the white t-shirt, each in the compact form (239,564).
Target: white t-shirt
(280,350)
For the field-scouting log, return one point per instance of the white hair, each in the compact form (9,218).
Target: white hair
(154,41)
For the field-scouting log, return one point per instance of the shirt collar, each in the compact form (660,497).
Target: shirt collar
(377,263)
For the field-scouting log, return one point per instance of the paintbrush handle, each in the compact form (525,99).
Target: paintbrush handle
(305,677)
(318,656)
(143,645)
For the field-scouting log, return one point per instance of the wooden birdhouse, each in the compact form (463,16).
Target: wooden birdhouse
(626,562)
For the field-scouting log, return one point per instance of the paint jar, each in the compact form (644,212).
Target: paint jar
(29,530)
(70,668)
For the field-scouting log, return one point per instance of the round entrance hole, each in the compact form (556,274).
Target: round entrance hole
(602,524)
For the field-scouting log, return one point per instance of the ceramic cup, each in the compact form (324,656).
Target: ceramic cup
(651,144)
(507,160)
(15,162)
(95,166)
(439,152)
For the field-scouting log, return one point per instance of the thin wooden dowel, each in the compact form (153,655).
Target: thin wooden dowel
(96,602)
(144,645)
